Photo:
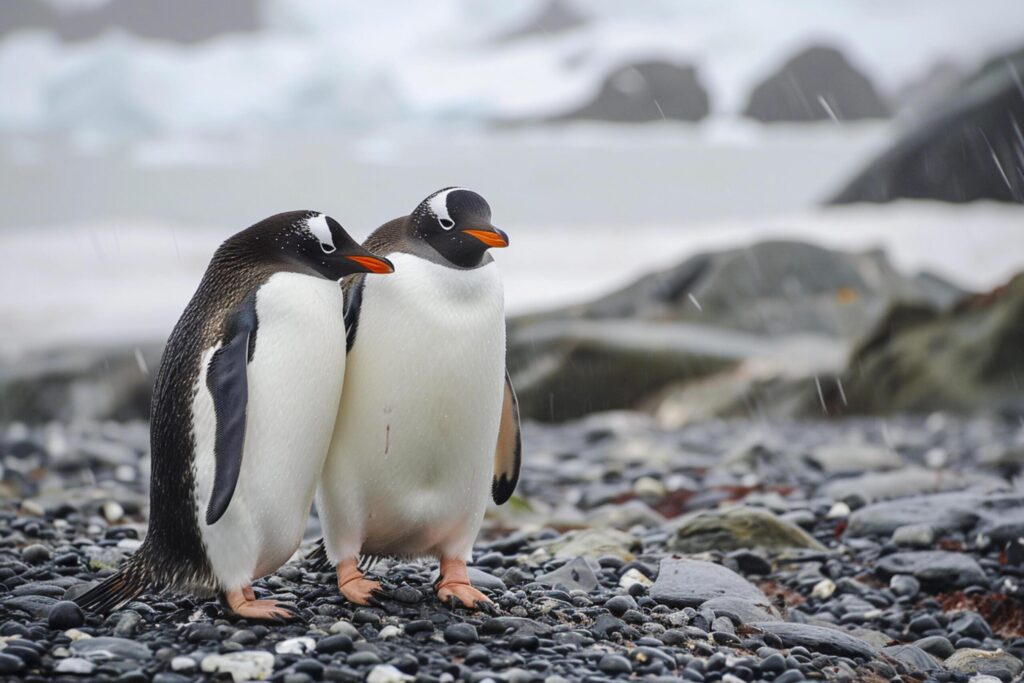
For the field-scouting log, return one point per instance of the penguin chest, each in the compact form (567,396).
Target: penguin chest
(295,379)
(419,420)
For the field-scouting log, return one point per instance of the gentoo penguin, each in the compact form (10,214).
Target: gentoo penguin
(428,416)
(242,413)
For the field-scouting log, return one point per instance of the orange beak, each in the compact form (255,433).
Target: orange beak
(492,238)
(373,264)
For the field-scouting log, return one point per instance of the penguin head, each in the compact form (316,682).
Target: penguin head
(326,247)
(307,241)
(456,222)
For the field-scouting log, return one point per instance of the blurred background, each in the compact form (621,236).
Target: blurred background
(715,207)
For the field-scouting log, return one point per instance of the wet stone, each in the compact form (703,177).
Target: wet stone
(64,615)
(684,582)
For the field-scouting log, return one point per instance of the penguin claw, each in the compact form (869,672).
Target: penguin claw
(464,595)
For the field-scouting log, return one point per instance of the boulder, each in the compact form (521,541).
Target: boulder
(965,359)
(817,84)
(643,92)
(728,319)
(967,149)
(736,528)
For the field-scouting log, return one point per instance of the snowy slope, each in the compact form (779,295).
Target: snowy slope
(327,65)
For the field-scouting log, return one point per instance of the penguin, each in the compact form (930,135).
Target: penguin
(428,423)
(242,413)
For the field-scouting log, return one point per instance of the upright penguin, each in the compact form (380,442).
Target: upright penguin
(242,414)
(428,416)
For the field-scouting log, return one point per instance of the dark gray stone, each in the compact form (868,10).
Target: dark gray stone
(818,639)
(690,583)
(574,575)
(913,657)
(64,615)
(934,567)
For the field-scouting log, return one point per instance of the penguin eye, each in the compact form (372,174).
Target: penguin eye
(446,223)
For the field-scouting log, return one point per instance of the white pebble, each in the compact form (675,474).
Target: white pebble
(936,458)
(824,589)
(390,631)
(295,646)
(30,508)
(838,511)
(112,511)
(385,673)
(633,576)
(648,487)
(75,634)
(182,663)
(247,665)
(124,473)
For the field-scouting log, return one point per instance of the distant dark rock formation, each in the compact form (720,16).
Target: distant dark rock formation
(815,85)
(555,16)
(971,148)
(919,359)
(646,91)
(180,21)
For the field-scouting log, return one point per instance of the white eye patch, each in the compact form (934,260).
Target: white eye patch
(439,207)
(322,231)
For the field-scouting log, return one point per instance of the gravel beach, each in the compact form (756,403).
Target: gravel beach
(727,551)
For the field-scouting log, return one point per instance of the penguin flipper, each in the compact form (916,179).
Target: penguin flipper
(508,454)
(226,379)
(353,289)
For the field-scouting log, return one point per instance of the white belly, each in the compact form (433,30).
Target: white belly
(295,381)
(409,468)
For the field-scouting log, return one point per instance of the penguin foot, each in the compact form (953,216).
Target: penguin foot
(243,604)
(356,588)
(464,595)
(453,587)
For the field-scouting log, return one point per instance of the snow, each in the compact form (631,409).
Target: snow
(94,284)
(336,66)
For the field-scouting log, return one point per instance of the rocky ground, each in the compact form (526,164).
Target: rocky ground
(726,551)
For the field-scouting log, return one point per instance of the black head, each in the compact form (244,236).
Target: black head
(456,222)
(310,241)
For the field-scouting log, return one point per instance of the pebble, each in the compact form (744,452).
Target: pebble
(36,554)
(75,665)
(615,665)
(460,633)
(295,646)
(241,666)
(588,604)
(385,673)
(64,615)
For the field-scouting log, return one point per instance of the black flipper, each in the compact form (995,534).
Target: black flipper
(226,379)
(508,453)
(353,306)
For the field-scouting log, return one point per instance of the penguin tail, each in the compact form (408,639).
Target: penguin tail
(128,583)
(317,557)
